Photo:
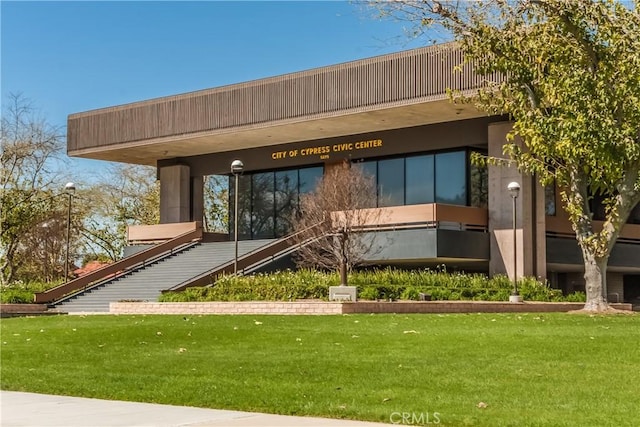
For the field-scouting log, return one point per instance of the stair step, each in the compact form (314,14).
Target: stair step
(147,282)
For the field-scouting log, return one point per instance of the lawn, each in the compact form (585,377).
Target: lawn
(473,369)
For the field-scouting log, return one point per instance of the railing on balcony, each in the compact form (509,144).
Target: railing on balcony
(432,215)
(270,251)
(391,218)
(559,226)
(143,234)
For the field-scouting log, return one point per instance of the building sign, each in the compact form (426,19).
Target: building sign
(324,152)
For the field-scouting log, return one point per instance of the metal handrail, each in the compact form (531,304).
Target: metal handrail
(283,246)
(419,224)
(82,282)
(572,236)
(246,260)
(129,270)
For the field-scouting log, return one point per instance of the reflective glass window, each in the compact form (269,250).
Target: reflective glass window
(478,185)
(451,178)
(262,205)
(308,178)
(419,187)
(370,169)
(550,199)
(244,206)
(286,200)
(391,182)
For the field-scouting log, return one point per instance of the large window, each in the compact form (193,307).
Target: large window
(370,169)
(451,178)
(599,211)
(419,187)
(268,200)
(391,182)
(286,200)
(550,199)
(262,205)
(445,177)
(478,185)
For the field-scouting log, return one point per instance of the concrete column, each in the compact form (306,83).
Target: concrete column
(530,223)
(175,194)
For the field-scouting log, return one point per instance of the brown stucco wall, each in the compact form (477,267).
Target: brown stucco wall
(441,136)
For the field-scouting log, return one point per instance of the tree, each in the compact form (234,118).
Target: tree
(570,81)
(30,155)
(34,208)
(216,204)
(331,221)
(42,251)
(126,195)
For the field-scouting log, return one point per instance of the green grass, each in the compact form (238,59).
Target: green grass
(530,369)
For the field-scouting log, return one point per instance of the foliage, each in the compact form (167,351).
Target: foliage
(331,218)
(30,153)
(363,367)
(387,284)
(216,204)
(281,286)
(19,292)
(568,74)
(126,195)
(34,207)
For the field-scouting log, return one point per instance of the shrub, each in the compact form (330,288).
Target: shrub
(533,290)
(369,293)
(20,292)
(384,284)
(576,297)
(410,293)
(16,296)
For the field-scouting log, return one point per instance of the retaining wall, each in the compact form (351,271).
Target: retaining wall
(10,310)
(248,307)
(326,308)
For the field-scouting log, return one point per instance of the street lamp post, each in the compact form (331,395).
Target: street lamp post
(45,251)
(236,169)
(70,188)
(514,190)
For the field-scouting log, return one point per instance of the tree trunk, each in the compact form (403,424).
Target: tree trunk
(344,236)
(343,273)
(7,271)
(595,276)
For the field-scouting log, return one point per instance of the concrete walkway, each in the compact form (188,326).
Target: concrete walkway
(38,410)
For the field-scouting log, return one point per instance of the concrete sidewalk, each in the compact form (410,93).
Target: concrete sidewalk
(39,410)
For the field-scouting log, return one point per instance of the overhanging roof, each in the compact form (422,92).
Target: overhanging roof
(386,92)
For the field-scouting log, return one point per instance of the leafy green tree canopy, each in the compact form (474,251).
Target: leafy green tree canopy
(567,72)
(30,155)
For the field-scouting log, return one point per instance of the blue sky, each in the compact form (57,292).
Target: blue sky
(74,56)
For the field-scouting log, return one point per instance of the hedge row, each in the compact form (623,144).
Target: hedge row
(20,292)
(387,284)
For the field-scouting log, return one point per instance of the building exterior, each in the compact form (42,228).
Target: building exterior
(390,115)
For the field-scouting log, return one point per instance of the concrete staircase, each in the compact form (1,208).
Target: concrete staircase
(147,282)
